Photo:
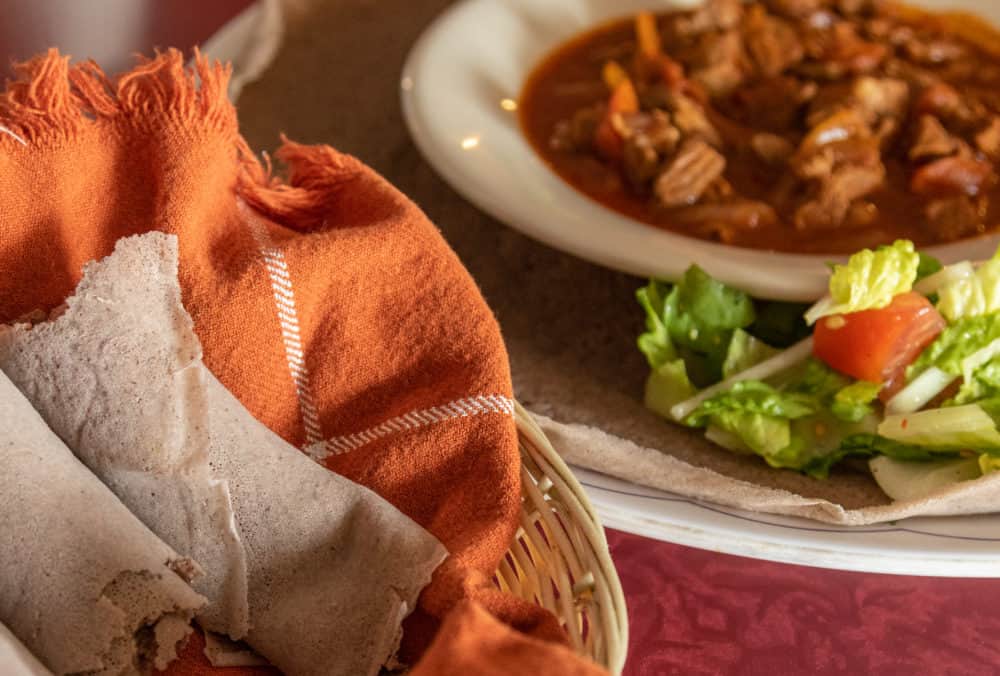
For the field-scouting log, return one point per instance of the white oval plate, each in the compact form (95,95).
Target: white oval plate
(965,546)
(249,42)
(472,62)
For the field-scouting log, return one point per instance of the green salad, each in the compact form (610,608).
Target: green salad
(898,365)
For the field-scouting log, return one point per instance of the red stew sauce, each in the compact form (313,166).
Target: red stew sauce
(812,126)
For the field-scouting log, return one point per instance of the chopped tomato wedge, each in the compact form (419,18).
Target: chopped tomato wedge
(878,345)
(607,140)
(651,63)
(613,74)
(647,35)
(623,98)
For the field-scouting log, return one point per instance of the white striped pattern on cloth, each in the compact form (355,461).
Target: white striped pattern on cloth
(10,133)
(284,300)
(460,408)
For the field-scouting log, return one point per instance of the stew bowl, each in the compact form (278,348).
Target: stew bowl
(460,89)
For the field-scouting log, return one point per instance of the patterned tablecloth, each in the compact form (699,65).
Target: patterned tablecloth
(691,612)
(695,612)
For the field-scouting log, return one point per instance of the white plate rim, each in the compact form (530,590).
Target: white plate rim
(916,546)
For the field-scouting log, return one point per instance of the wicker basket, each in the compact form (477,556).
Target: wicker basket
(560,559)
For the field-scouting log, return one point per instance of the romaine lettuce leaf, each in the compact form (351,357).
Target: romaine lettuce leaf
(984,383)
(988,463)
(869,445)
(972,296)
(709,302)
(817,441)
(824,385)
(655,343)
(906,480)
(701,314)
(668,381)
(854,402)
(727,440)
(753,396)
(763,434)
(874,444)
(928,265)
(756,413)
(958,341)
(745,351)
(667,385)
(790,427)
(870,280)
(814,378)
(952,428)
(695,319)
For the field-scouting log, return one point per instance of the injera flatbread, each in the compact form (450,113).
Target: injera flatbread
(85,585)
(332,569)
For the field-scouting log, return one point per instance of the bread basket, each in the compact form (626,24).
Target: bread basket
(559,558)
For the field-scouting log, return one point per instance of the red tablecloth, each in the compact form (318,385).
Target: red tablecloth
(695,612)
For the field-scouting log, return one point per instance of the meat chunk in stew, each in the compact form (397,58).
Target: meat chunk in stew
(772,43)
(689,174)
(719,65)
(711,16)
(691,119)
(988,139)
(932,140)
(771,148)
(881,97)
(837,192)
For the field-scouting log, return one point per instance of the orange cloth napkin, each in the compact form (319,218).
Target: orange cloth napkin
(330,306)
(471,641)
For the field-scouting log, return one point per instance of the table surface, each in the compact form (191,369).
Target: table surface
(690,611)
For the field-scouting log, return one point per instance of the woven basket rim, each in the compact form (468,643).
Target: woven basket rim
(559,558)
